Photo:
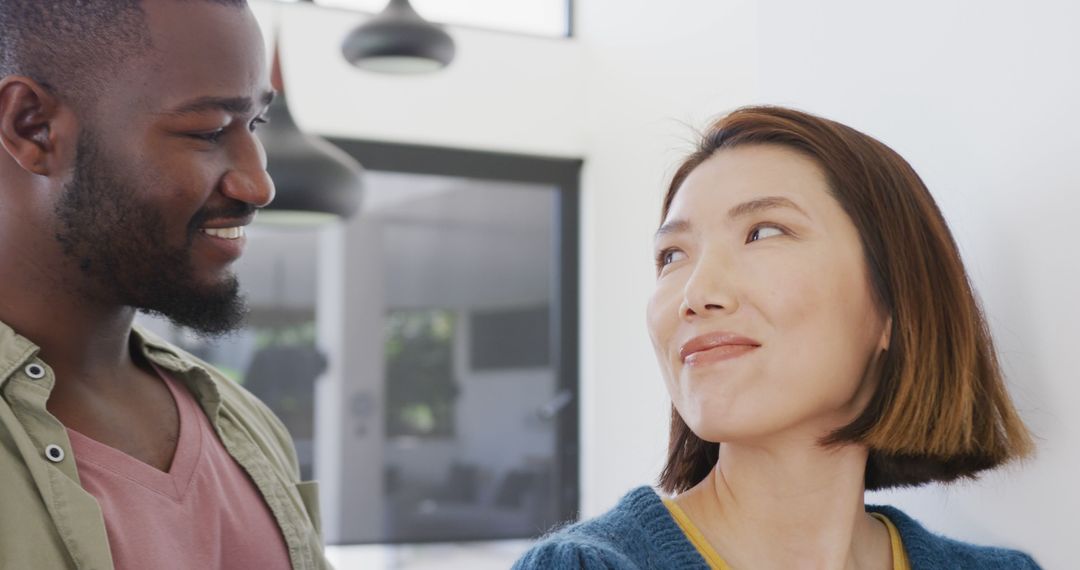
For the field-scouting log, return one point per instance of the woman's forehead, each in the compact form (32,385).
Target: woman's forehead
(749,179)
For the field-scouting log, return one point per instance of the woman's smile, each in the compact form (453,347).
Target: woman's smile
(715,347)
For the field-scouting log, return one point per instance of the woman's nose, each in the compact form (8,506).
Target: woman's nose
(710,289)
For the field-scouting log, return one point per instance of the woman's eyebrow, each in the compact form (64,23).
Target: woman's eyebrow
(745,209)
(672,227)
(766,203)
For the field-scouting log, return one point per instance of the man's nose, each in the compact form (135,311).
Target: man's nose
(247,180)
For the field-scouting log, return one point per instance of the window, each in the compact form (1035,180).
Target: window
(539,17)
(421,388)
(424,354)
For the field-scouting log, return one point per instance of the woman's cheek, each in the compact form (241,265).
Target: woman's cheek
(668,326)
(783,288)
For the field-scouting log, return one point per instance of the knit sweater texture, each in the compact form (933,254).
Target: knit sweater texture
(639,534)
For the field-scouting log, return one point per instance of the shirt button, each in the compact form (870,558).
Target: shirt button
(54,453)
(35,371)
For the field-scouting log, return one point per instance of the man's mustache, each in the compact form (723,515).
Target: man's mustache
(232,211)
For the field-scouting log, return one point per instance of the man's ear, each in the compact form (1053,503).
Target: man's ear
(31,122)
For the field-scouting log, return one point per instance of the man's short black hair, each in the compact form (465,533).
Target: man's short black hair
(72,47)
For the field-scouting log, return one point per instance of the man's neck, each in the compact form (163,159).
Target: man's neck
(79,339)
(788,506)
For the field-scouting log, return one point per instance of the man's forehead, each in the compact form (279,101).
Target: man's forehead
(201,49)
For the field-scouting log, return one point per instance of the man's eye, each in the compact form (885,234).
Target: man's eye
(254,124)
(212,136)
(764,231)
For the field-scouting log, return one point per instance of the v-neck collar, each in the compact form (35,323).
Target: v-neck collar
(174,483)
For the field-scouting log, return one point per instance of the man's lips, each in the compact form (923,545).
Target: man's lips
(730,344)
(235,232)
(226,228)
(222,240)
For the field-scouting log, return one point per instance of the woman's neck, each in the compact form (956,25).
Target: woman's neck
(789,505)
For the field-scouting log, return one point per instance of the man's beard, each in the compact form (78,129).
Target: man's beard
(119,242)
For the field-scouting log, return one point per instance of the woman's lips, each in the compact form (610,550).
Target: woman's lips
(717,354)
(715,347)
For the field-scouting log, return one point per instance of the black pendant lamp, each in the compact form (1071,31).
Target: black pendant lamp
(316,181)
(399,40)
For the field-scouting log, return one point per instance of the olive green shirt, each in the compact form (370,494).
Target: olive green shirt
(48,521)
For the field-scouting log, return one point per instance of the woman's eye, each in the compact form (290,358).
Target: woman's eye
(667,257)
(764,231)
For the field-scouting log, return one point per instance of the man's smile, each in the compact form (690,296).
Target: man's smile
(225,233)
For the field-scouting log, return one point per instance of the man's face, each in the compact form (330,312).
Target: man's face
(168,169)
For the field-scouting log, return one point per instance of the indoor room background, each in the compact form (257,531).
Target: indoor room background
(514,194)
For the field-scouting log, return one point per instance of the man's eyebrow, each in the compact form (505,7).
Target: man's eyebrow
(760,204)
(232,105)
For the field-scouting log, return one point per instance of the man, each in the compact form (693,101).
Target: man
(129,168)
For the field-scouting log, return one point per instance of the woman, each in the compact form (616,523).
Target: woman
(818,337)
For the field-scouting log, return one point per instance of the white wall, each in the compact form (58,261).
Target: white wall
(504,92)
(979,96)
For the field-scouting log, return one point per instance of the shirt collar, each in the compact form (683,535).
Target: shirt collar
(16,351)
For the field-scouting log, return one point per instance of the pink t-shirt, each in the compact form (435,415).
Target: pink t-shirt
(204,513)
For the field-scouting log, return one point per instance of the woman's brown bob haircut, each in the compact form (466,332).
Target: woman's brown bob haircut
(941,410)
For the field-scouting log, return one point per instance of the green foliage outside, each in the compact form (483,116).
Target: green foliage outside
(420,387)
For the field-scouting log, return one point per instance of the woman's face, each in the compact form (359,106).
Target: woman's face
(763,317)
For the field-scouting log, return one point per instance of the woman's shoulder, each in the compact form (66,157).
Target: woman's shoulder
(929,550)
(638,533)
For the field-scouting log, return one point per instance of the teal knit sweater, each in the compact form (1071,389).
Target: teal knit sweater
(639,534)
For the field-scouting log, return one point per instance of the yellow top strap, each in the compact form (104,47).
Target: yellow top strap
(696,538)
(716,562)
(899,556)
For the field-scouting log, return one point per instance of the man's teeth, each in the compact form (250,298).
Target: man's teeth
(224,233)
